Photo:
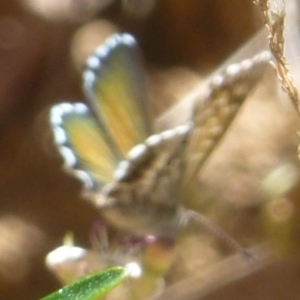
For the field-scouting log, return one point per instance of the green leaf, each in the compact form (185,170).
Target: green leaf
(90,287)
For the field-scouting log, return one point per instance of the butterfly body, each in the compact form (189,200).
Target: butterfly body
(138,179)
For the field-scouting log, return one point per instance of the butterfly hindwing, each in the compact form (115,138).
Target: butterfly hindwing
(83,144)
(114,84)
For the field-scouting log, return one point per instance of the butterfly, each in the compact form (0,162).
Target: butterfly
(140,179)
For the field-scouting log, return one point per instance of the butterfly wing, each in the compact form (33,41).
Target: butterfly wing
(92,141)
(223,97)
(83,144)
(114,84)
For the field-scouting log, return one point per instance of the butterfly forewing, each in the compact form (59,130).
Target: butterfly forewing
(114,83)
(221,101)
(83,144)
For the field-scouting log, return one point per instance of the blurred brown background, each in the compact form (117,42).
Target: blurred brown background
(43,45)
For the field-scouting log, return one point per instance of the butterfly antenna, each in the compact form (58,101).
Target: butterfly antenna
(190,215)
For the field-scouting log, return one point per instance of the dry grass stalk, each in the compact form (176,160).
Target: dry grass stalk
(274,16)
